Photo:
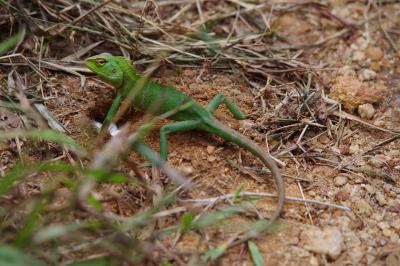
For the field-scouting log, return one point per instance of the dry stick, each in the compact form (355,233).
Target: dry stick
(343,114)
(215,59)
(140,17)
(28,62)
(180,12)
(370,171)
(33,27)
(264,194)
(200,11)
(80,17)
(308,213)
(359,155)
(386,34)
(26,105)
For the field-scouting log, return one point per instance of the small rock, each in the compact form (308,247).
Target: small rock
(186,169)
(393,259)
(314,261)
(381,199)
(394,208)
(293,24)
(301,252)
(377,161)
(358,56)
(377,217)
(354,148)
(351,92)
(340,180)
(347,71)
(396,224)
(366,110)
(367,74)
(324,139)
(246,124)
(376,66)
(361,43)
(328,241)
(374,52)
(388,187)
(342,195)
(186,157)
(210,149)
(356,254)
(388,233)
(311,193)
(383,225)
(380,123)
(395,238)
(363,207)
(211,158)
(370,259)
(371,189)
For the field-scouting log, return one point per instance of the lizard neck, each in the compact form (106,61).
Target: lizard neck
(130,76)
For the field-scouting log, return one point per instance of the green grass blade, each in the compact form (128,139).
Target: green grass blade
(20,171)
(255,254)
(48,135)
(214,254)
(236,193)
(10,256)
(211,218)
(56,230)
(187,221)
(10,42)
(8,180)
(31,223)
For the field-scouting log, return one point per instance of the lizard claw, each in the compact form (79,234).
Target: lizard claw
(112,129)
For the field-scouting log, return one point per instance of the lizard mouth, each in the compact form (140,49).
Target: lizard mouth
(90,65)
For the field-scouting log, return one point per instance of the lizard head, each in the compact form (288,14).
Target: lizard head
(107,67)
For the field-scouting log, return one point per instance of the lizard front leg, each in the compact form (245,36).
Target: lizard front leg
(175,127)
(112,111)
(220,98)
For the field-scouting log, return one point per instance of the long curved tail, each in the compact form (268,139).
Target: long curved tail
(217,128)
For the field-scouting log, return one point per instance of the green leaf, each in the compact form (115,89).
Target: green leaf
(94,202)
(264,226)
(8,180)
(255,254)
(20,171)
(166,263)
(10,42)
(30,225)
(10,256)
(187,221)
(214,254)
(236,193)
(45,134)
(54,231)
(100,175)
(211,218)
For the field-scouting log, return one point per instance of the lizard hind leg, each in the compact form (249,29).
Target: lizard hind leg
(220,98)
(174,127)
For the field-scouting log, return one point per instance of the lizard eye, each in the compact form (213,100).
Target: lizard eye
(100,61)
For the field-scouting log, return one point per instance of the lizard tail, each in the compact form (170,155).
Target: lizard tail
(228,134)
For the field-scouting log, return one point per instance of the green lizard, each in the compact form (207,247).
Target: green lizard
(118,72)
